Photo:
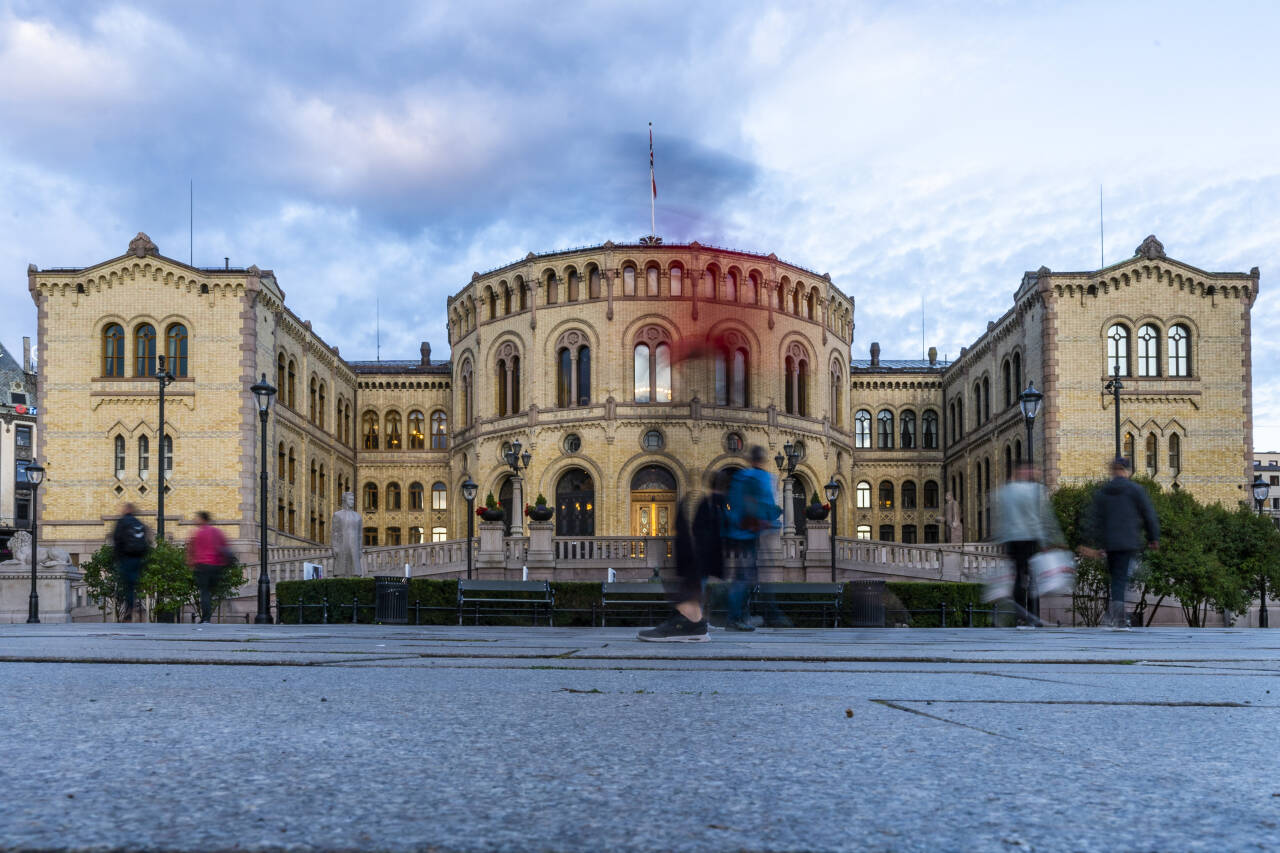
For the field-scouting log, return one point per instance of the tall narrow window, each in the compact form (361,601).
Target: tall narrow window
(292,466)
(322,406)
(553,289)
(439,496)
(1017,375)
(280,460)
(751,289)
(593,284)
(628,281)
(120,457)
(144,349)
(907,430)
(175,348)
(113,350)
(1179,351)
(439,430)
(884,432)
(1153,454)
(393,431)
(738,379)
(1128,447)
(929,430)
(862,429)
(166,455)
(564,378)
(416,496)
(369,426)
(393,497)
(909,494)
(584,376)
(370,497)
(641,373)
(930,494)
(417,430)
(312,395)
(886,494)
(677,281)
(144,457)
(293,384)
(280,380)
(573,286)
(1118,350)
(1148,351)
(731,287)
(651,285)
(1006,377)
(986,399)
(662,373)
(1175,454)
(863,492)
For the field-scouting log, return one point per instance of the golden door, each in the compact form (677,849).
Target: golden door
(653,514)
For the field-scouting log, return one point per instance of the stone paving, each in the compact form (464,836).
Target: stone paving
(180,737)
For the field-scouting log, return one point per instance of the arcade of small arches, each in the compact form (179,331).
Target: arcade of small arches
(140,355)
(317,400)
(384,431)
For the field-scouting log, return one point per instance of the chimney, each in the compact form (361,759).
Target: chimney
(875,354)
(933,356)
(226,262)
(425,349)
(26,354)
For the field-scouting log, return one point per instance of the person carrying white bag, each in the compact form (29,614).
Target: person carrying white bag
(1027,527)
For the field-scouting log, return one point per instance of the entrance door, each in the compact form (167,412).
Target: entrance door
(653,513)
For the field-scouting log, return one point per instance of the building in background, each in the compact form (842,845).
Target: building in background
(18,416)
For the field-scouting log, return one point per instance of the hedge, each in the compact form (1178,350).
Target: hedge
(576,601)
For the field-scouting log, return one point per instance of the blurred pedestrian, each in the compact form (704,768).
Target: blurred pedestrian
(131,542)
(699,555)
(1025,524)
(752,512)
(208,555)
(1120,516)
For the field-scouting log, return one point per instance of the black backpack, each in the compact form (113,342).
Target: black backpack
(134,539)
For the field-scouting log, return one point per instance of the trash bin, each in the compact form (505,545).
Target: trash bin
(866,598)
(391,600)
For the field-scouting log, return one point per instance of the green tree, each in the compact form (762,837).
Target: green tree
(166,580)
(1250,545)
(101,579)
(1072,505)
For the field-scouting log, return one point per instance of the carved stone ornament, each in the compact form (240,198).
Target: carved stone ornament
(571,339)
(1151,248)
(141,246)
(653,335)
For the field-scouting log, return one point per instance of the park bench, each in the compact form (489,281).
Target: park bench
(642,597)
(506,597)
(822,597)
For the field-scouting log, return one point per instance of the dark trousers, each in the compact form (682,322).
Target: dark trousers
(130,570)
(1118,563)
(206,577)
(1024,593)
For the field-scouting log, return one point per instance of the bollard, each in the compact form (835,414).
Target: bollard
(355,609)
(299,609)
(942,608)
(969,613)
(324,611)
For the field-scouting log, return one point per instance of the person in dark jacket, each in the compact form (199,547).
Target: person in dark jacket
(1121,515)
(131,542)
(699,552)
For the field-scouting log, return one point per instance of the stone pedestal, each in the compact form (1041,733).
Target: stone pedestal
(817,554)
(53,585)
(541,556)
(769,557)
(490,559)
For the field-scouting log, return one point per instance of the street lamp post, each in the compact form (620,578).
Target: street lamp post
(1260,492)
(517,461)
(1114,387)
(469,493)
(165,377)
(1030,402)
(35,475)
(833,494)
(263,391)
(787,461)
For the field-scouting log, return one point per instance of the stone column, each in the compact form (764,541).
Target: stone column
(573,377)
(788,508)
(517,506)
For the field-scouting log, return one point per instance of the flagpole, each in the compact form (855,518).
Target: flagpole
(653,187)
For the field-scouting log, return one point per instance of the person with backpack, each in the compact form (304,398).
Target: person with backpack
(131,542)
(208,555)
(752,511)
(1121,513)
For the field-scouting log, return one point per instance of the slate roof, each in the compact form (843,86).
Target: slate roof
(898,364)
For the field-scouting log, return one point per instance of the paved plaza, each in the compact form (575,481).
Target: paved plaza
(184,737)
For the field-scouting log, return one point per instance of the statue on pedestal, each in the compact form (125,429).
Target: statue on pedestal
(955,529)
(347,530)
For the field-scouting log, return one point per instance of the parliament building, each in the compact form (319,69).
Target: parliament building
(627,372)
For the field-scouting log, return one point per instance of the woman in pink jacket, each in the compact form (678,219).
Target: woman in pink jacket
(207,554)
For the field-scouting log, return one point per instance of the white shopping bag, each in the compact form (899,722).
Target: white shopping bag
(1054,571)
(998,583)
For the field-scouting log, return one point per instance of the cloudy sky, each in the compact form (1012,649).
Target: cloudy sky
(392,148)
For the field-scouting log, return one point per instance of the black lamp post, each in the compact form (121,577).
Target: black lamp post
(35,475)
(833,494)
(263,391)
(787,461)
(1260,492)
(517,461)
(1030,402)
(165,378)
(1114,387)
(469,494)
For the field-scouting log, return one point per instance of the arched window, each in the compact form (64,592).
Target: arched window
(977,404)
(417,423)
(573,286)
(628,281)
(1179,350)
(731,287)
(864,532)
(810,303)
(393,431)
(1175,454)
(863,492)
(930,494)
(1127,446)
(886,494)
(573,370)
(564,378)
(506,298)
(751,289)
(292,467)
(651,367)
(417,536)
(119,457)
(393,497)
(710,280)
(175,349)
(907,430)
(320,490)
(676,278)
(369,426)
(508,384)
(439,534)
(468,393)
(651,283)
(281,456)
(795,300)
(1008,462)
(796,385)
(862,429)
(1006,378)
(929,430)
(144,457)
(416,496)
(909,494)
(280,379)
(1153,455)
(491,298)
(884,430)
(144,349)
(293,376)
(439,495)
(575,504)
(1148,351)
(113,350)
(986,399)
(1017,375)
(322,408)
(311,400)
(370,502)
(1117,350)
(593,284)
(311,481)
(553,289)
(166,456)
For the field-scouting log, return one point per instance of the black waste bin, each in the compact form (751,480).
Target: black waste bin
(391,600)
(866,598)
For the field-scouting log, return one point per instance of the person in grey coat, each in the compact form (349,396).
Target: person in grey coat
(1122,521)
(1025,525)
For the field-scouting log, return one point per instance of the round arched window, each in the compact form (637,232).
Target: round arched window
(653,440)
(733,442)
(572,443)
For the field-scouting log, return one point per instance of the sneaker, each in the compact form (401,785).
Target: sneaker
(738,625)
(677,629)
